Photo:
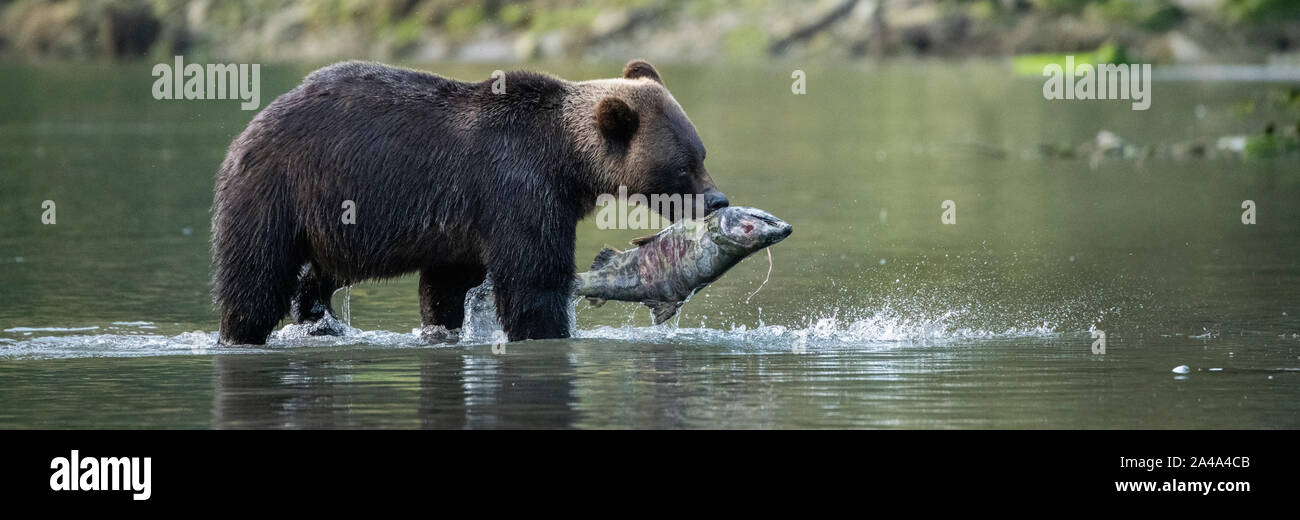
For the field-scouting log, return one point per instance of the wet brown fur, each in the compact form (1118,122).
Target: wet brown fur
(449,179)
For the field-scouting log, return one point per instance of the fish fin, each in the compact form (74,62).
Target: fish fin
(603,257)
(595,302)
(640,241)
(663,311)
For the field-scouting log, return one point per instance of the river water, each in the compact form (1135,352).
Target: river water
(877,314)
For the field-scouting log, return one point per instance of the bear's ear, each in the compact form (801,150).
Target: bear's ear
(640,69)
(616,120)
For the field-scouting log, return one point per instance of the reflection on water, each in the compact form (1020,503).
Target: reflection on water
(1041,382)
(876,315)
(602,384)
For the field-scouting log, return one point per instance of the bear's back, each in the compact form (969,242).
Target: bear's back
(387,78)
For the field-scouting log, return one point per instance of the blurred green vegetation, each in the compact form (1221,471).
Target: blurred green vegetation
(499,30)
(1269,11)
(1033,64)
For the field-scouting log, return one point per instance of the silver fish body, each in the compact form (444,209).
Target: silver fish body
(668,267)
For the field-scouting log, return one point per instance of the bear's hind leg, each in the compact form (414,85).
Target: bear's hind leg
(311,302)
(253,299)
(442,299)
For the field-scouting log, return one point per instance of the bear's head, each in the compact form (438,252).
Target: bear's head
(645,142)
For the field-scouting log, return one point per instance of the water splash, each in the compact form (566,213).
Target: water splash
(347,306)
(838,329)
(880,330)
(111,345)
(854,328)
(29,330)
(480,315)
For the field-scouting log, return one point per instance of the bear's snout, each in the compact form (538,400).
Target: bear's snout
(714,200)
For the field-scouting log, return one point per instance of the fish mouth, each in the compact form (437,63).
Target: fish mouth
(783,228)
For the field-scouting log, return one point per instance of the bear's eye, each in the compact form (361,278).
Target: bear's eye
(681,172)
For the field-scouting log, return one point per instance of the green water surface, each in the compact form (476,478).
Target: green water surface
(877,313)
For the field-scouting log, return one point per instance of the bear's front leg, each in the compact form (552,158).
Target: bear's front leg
(534,312)
(534,283)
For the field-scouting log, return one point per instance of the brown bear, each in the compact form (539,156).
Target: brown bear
(448,178)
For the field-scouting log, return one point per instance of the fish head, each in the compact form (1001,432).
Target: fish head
(749,229)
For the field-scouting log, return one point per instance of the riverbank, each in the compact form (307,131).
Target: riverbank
(1164,31)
